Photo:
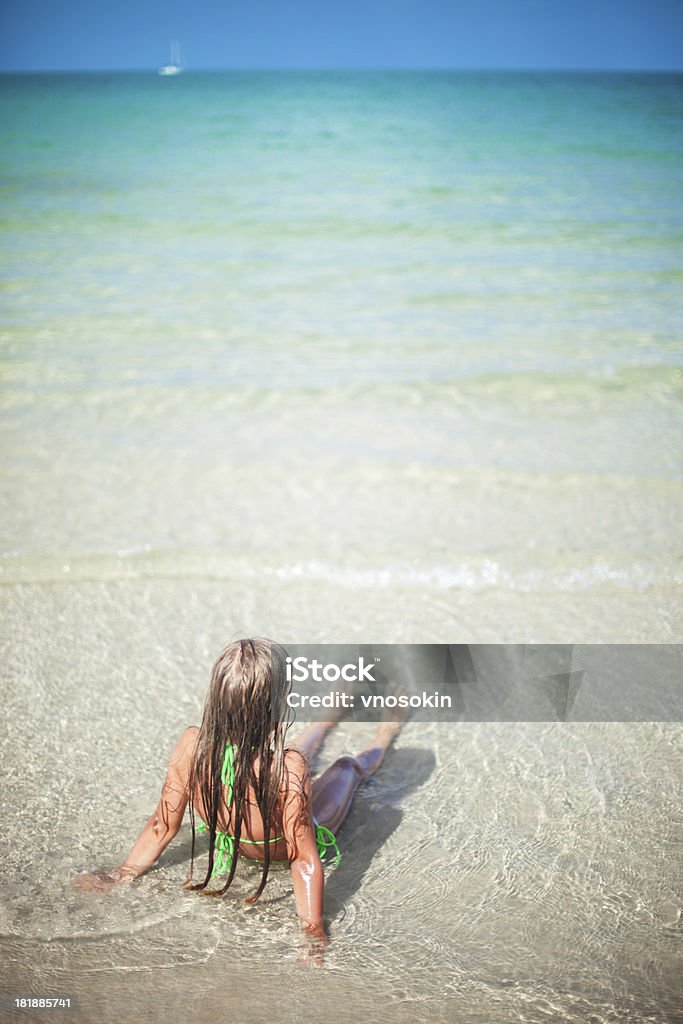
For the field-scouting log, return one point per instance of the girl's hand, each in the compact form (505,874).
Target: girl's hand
(101,880)
(313,952)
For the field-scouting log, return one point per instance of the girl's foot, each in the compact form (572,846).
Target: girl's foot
(393,720)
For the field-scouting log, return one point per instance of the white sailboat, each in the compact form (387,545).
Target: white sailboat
(176,65)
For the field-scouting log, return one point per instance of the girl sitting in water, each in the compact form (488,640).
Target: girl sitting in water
(253,794)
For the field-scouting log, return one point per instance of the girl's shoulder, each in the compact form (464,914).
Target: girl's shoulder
(296,758)
(180,761)
(184,748)
(297,767)
(188,739)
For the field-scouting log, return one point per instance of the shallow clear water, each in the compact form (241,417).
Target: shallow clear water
(491,871)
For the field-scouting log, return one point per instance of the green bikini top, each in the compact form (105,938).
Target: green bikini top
(225,843)
(228,770)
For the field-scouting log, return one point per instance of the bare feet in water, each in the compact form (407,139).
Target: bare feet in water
(393,720)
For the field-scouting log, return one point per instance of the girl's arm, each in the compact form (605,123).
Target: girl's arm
(162,826)
(307,871)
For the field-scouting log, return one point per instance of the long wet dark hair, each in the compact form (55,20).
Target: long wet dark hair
(246,706)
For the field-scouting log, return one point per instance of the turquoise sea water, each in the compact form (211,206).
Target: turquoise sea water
(394,227)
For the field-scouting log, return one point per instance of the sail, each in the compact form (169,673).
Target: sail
(176,65)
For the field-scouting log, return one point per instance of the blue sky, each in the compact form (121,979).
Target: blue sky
(129,34)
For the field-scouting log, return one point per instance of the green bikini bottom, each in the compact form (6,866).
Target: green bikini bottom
(225,846)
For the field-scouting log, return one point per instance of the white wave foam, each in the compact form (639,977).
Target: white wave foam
(486,575)
(145,562)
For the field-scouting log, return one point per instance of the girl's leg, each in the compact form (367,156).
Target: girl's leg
(333,792)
